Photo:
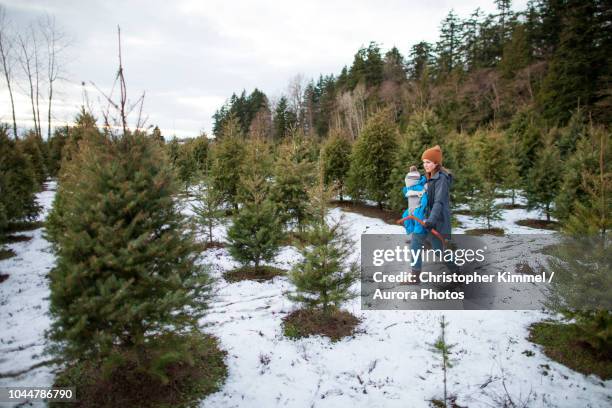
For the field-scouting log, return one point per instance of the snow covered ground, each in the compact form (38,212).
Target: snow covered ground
(388,363)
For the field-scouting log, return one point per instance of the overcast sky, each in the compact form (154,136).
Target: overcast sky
(189,56)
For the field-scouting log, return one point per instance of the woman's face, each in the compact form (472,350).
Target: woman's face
(429,166)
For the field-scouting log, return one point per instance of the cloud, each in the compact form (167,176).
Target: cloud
(190,56)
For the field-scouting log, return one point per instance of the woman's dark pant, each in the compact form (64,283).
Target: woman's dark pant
(417,242)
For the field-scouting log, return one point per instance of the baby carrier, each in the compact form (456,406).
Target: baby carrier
(416,195)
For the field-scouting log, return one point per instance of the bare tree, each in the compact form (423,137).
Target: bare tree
(56,44)
(296,96)
(29,59)
(7,60)
(352,105)
(123,107)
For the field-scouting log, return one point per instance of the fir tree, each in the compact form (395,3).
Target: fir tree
(526,129)
(582,261)
(335,156)
(284,120)
(56,146)
(18,181)
(579,164)
(256,233)
(372,159)
(489,151)
(208,206)
(126,271)
(323,280)
(483,204)
(570,134)
(292,177)
(227,159)
(516,54)
(445,350)
(543,179)
(420,60)
(448,46)
(578,63)
(461,157)
(31,145)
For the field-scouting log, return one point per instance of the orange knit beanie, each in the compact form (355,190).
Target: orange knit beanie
(434,154)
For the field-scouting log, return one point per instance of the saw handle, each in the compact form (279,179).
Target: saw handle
(433,231)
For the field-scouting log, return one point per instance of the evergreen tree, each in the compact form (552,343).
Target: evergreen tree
(227,160)
(581,262)
(394,68)
(421,58)
(483,204)
(256,233)
(460,156)
(504,8)
(573,185)
(489,151)
(292,177)
(578,63)
(284,121)
(447,48)
(157,135)
(526,129)
(31,145)
(322,280)
(199,150)
(56,146)
(335,156)
(372,159)
(543,179)
(126,271)
(18,182)
(367,67)
(208,206)
(570,134)
(445,350)
(469,46)
(516,53)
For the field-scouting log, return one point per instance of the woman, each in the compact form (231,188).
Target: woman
(438,217)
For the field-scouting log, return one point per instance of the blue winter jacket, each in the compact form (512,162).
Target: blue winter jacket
(413,226)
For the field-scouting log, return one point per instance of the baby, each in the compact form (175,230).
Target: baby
(416,194)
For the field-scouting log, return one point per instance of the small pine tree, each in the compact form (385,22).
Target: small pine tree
(258,160)
(483,205)
(372,159)
(543,179)
(208,206)
(576,165)
(56,146)
(444,349)
(322,280)
(292,178)
(460,156)
(18,181)
(512,179)
(256,233)
(31,145)
(126,270)
(227,159)
(582,261)
(335,156)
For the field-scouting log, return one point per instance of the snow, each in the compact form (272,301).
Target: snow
(388,363)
